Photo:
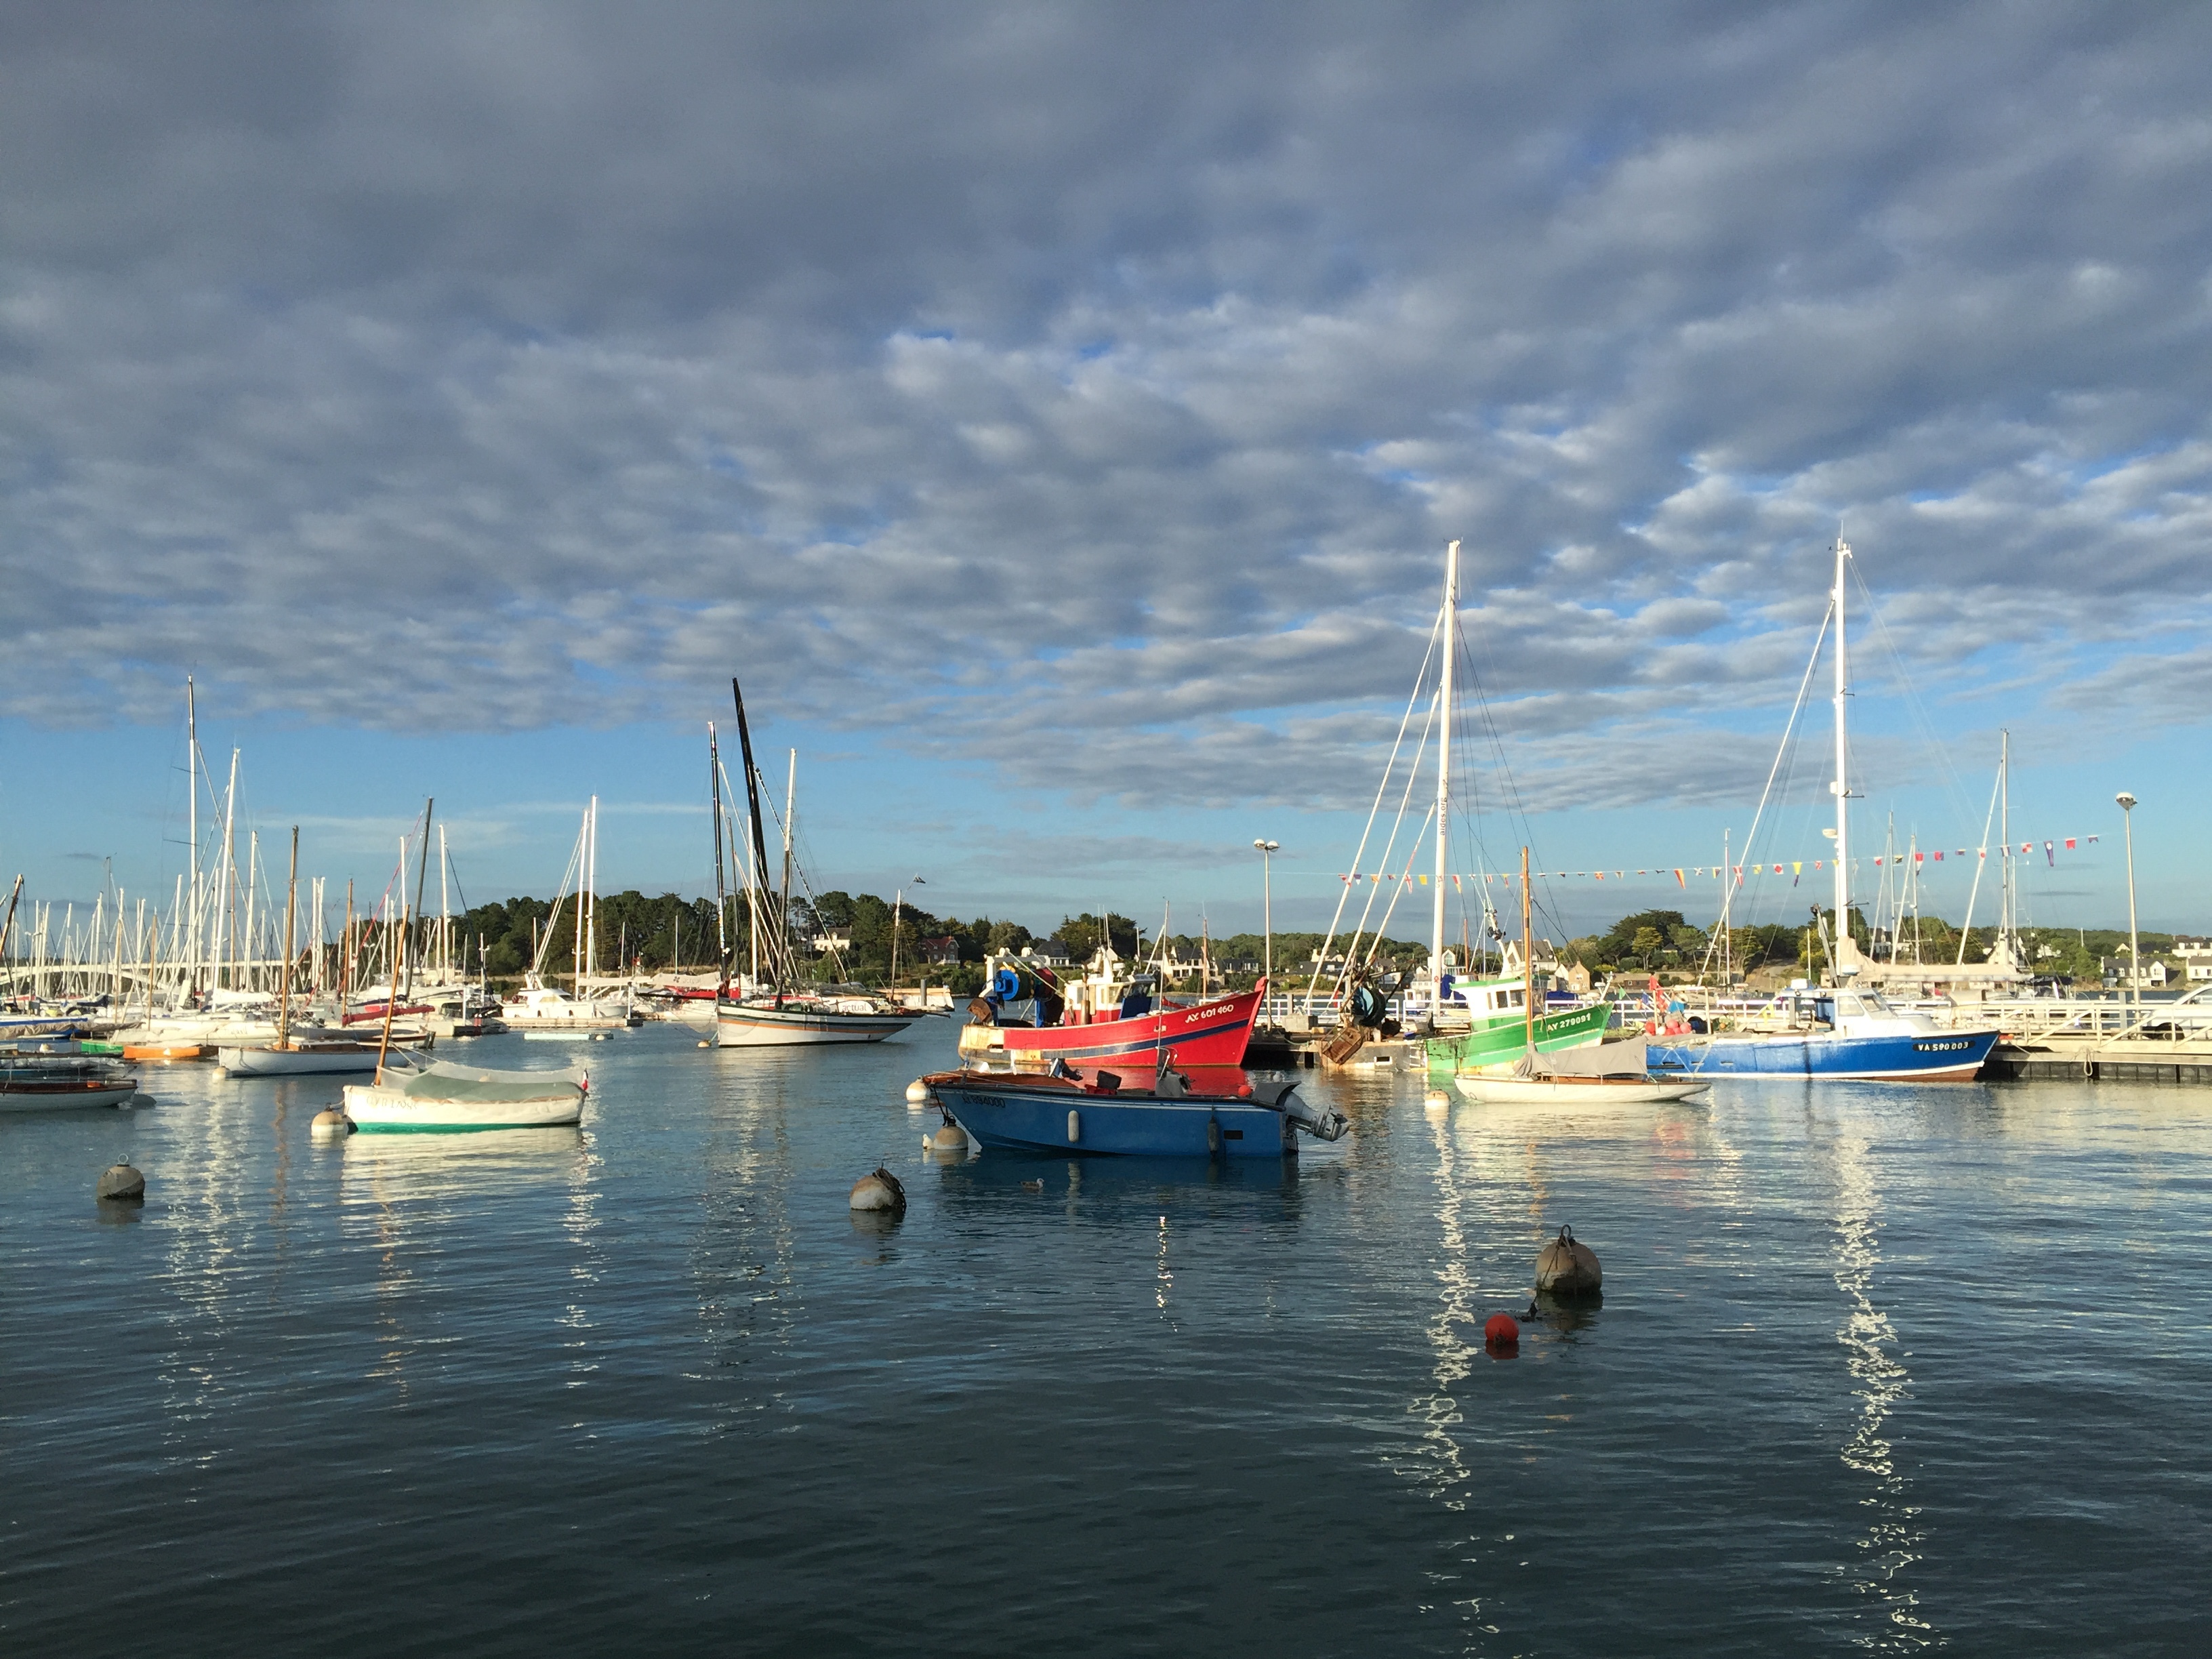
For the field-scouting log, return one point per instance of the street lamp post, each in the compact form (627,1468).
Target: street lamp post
(1267,851)
(2134,950)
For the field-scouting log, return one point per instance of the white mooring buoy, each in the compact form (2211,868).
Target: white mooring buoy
(1437,1101)
(330,1120)
(121,1182)
(950,1139)
(917,1093)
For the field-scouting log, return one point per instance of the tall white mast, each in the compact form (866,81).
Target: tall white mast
(2004,829)
(1843,956)
(445,913)
(192,815)
(224,902)
(1447,625)
(591,890)
(790,807)
(252,881)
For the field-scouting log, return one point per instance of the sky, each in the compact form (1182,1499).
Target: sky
(1055,415)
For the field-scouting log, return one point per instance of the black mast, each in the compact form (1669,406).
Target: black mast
(760,843)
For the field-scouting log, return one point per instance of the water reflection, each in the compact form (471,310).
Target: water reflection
(1893,1535)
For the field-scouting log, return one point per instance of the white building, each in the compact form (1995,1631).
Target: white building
(2196,956)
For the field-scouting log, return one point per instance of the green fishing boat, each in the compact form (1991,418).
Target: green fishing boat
(1500,1032)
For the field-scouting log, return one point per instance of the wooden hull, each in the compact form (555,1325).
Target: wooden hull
(762,1025)
(333,1060)
(66,1094)
(1573,1090)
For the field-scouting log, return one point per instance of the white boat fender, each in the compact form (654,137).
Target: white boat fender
(1568,1269)
(120,1183)
(1214,1134)
(1074,1126)
(879,1192)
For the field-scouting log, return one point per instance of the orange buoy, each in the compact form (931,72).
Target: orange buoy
(1501,1331)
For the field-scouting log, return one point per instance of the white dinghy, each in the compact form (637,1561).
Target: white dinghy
(414,1094)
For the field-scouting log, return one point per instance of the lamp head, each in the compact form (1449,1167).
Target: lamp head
(1268,846)
(2127,801)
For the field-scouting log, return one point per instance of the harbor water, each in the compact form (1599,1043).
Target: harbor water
(1877,1367)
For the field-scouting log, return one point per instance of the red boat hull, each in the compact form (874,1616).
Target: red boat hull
(1211,1033)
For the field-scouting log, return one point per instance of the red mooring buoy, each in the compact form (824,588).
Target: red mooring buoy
(1501,1331)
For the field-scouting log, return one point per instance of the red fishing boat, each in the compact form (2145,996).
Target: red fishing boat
(1101,1018)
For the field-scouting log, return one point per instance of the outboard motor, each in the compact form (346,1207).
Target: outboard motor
(1322,1122)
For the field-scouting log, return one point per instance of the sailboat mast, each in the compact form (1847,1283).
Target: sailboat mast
(591,890)
(1528,958)
(790,805)
(2004,830)
(445,909)
(1842,785)
(291,908)
(1449,626)
(722,884)
(760,843)
(192,815)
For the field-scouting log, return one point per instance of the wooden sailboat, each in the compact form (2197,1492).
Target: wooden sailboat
(784,1016)
(290,1055)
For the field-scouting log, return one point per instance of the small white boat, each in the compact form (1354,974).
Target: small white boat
(412,1094)
(300,1057)
(1603,1074)
(61,1085)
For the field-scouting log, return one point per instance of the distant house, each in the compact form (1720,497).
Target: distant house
(1048,953)
(939,952)
(2196,956)
(825,943)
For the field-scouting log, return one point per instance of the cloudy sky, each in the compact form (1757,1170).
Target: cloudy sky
(1056,415)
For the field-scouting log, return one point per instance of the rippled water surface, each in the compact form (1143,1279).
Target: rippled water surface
(1876,1368)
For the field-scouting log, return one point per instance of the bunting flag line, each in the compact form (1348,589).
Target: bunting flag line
(1795,869)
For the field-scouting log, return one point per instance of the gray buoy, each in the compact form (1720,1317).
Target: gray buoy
(1567,1268)
(331,1121)
(917,1093)
(879,1191)
(122,1183)
(950,1139)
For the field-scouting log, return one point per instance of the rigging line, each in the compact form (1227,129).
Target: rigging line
(1516,809)
(1786,747)
(1382,787)
(1954,784)
(1412,776)
(1401,886)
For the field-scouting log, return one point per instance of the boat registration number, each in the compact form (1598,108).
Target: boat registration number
(1948,1045)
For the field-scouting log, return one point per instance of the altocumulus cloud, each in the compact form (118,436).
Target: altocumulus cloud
(990,375)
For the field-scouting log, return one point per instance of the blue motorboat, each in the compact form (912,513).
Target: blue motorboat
(1843,1035)
(1102,1116)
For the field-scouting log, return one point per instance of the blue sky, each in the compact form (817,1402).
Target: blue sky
(1056,417)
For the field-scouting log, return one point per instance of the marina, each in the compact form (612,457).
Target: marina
(1847,1334)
